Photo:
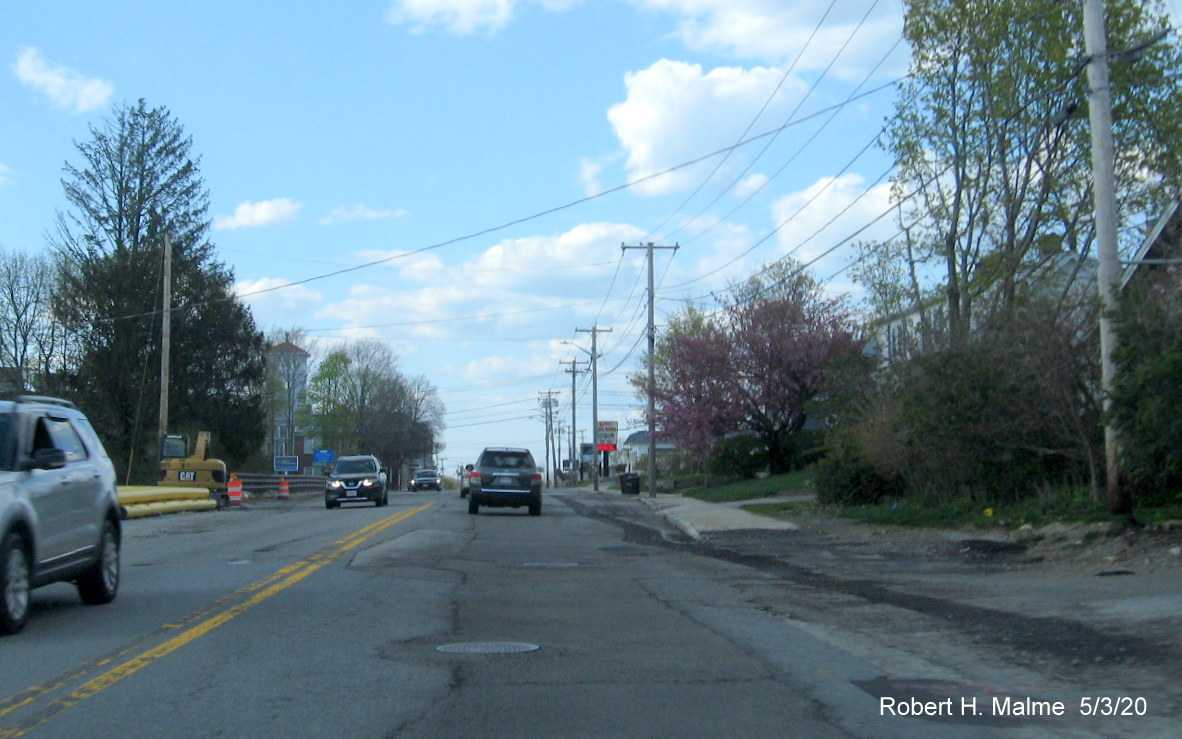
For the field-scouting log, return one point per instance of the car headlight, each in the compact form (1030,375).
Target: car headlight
(367,482)
(334,484)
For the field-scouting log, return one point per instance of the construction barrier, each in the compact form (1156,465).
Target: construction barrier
(234,490)
(284,489)
(258,486)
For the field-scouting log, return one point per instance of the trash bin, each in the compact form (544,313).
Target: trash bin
(630,483)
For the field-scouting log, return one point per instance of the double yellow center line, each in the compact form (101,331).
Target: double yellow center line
(258,592)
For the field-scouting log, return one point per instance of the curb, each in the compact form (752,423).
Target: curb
(680,523)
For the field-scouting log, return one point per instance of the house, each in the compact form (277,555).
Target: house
(633,453)
(289,368)
(1160,253)
(1064,276)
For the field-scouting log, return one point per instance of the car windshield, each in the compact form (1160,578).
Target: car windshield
(355,467)
(425,473)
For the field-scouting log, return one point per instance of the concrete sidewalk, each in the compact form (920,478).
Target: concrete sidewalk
(696,518)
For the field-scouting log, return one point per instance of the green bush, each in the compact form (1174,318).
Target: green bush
(804,448)
(845,477)
(741,455)
(1148,395)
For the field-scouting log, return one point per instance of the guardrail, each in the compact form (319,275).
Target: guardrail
(264,486)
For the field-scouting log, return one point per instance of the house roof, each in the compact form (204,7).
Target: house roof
(286,347)
(640,439)
(1160,242)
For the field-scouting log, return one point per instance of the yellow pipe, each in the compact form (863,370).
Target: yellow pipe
(133,494)
(139,510)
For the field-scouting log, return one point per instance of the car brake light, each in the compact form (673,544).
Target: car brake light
(537,476)
(474,475)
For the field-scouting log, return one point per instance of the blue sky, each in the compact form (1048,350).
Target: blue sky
(484,149)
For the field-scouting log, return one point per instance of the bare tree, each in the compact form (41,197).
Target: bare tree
(30,337)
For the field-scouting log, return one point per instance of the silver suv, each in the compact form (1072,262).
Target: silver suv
(59,514)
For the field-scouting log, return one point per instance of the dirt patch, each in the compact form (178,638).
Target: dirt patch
(1087,548)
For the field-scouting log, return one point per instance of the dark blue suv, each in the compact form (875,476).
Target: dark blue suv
(505,476)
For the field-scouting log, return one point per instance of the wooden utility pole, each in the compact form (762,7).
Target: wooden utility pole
(573,371)
(595,331)
(547,404)
(165,337)
(652,366)
(1108,270)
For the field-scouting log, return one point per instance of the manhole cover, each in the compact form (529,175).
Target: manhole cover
(488,647)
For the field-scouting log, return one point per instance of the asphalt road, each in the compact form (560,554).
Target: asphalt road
(417,619)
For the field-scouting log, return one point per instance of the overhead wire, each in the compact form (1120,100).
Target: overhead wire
(768,144)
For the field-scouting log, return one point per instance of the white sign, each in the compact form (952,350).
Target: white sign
(607,434)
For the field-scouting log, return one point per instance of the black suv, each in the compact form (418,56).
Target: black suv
(505,476)
(424,479)
(356,478)
(59,511)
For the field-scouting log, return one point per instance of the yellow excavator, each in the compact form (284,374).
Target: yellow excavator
(182,467)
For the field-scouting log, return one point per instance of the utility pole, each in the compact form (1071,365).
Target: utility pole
(573,371)
(558,429)
(547,404)
(595,331)
(165,336)
(652,366)
(1104,193)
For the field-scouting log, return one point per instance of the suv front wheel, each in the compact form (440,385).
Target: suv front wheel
(14,584)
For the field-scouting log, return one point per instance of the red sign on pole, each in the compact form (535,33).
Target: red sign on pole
(607,435)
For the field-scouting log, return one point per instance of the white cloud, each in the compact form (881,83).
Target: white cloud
(779,30)
(274,300)
(752,184)
(510,287)
(830,211)
(589,170)
(415,267)
(675,111)
(516,263)
(359,213)
(457,16)
(5,171)
(64,86)
(248,214)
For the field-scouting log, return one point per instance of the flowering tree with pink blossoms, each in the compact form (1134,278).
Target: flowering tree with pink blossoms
(776,344)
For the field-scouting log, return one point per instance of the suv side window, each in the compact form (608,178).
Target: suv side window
(63,436)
